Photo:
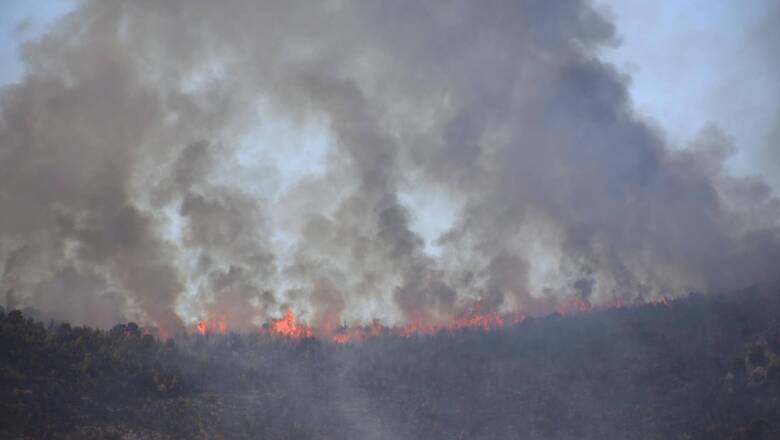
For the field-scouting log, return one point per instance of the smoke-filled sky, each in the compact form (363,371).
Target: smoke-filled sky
(171,161)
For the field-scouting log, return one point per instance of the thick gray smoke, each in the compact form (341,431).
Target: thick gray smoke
(131,185)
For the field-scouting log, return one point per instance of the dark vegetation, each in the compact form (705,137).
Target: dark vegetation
(703,367)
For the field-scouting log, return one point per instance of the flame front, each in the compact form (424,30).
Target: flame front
(476,318)
(287,327)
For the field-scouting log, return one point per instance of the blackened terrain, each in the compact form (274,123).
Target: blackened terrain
(701,367)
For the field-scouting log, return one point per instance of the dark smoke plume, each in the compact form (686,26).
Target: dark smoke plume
(127,188)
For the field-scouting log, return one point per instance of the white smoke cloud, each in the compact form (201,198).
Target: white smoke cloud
(134,179)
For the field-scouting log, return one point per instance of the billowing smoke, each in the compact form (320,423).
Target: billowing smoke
(134,185)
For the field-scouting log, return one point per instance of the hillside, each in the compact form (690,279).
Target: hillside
(701,367)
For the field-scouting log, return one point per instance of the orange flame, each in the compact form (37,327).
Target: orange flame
(288,328)
(350,335)
(205,327)
(476,318)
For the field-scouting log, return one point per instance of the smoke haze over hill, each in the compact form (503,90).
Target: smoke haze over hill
(137,181)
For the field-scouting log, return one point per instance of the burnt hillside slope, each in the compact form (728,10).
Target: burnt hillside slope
(701,367)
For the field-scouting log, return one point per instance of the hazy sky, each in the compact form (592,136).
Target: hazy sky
(21,20)
(699,61)
(691,62)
